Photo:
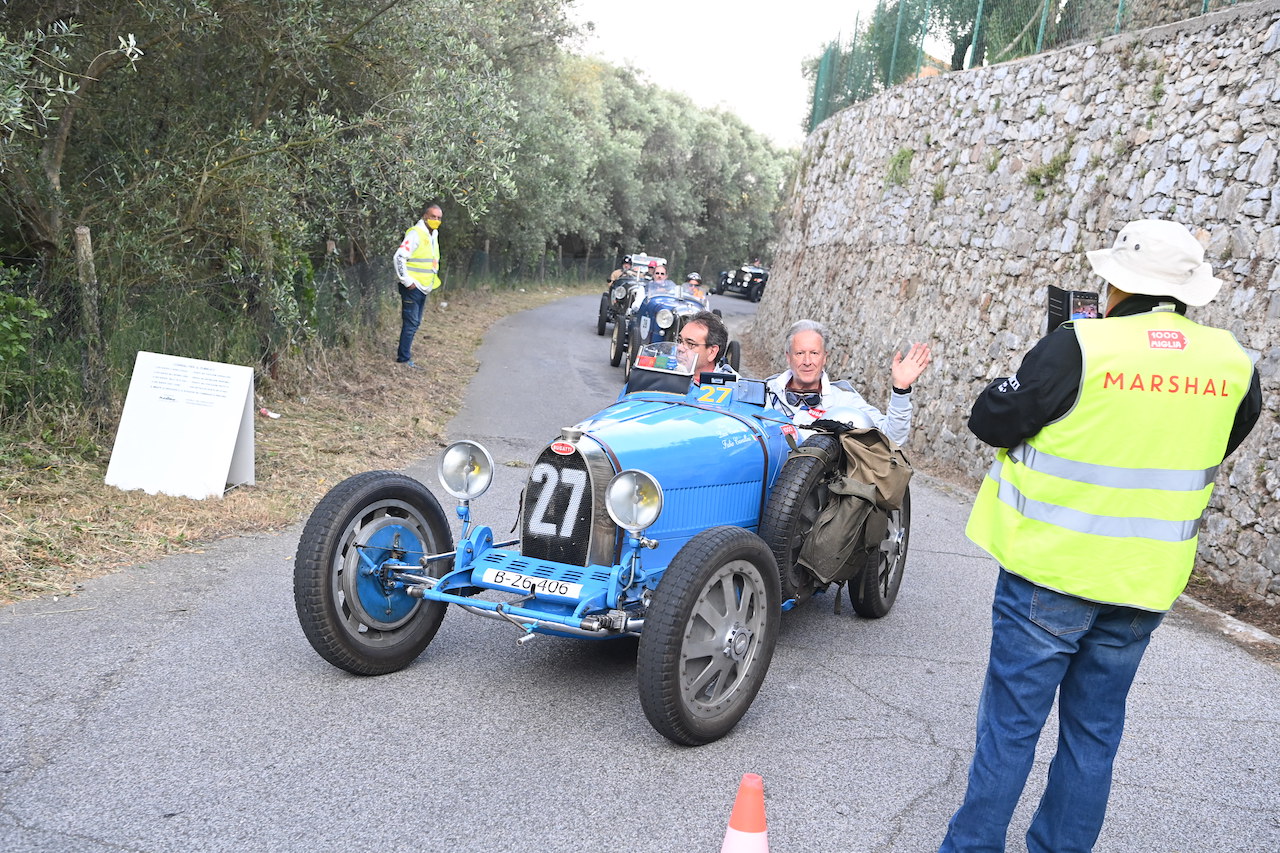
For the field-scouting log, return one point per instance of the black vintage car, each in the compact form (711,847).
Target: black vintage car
(616,297)
(748,280)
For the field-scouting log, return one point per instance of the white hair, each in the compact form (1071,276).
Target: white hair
(806,326)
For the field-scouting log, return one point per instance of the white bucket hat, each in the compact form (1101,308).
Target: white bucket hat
(1156,257)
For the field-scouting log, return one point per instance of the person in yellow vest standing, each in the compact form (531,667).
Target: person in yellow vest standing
(417,263)
(1110,436)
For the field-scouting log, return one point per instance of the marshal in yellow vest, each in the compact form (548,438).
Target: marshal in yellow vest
(1105,503)
(423,265)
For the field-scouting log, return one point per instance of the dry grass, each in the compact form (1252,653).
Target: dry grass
(61,524)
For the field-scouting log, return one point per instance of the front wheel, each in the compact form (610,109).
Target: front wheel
(756,291)
(615,342)
(633,352)
(352,610)
(602,319)
(798,497)
(873,594)
(709,636)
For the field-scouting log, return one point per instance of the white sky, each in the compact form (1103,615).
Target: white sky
(742,56)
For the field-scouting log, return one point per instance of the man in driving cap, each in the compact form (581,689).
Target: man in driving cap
(1110,436)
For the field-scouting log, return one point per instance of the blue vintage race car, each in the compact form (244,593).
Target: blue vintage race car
(676,515)
(656,313)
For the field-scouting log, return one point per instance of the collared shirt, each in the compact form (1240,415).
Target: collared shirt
(895,421)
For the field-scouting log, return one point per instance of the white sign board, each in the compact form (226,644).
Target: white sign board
(186,429)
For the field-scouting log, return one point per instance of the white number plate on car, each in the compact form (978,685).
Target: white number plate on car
(526,583)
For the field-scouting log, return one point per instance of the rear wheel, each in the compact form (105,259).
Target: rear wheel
(351,609)
(615,342)
(733,354)
(709,636)
(797,498)
(873,594)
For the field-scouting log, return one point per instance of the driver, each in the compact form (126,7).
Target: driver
(806,390)
(705,335)
(624,270)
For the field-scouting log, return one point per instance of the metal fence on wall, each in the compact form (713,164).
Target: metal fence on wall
(916,38)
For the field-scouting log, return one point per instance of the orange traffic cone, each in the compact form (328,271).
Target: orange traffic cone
(746,833)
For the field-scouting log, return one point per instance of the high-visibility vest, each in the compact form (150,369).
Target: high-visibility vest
(1106,502)
(423,263)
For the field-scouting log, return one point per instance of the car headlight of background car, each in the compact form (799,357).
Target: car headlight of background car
(619,292)
(664,318)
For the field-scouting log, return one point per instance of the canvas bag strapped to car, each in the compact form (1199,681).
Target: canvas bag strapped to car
(876,474)
(831,549)
(872,457)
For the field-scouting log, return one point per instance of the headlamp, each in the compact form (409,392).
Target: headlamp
(633,499)
(465,470)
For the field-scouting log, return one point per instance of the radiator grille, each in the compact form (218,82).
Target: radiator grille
(556,519)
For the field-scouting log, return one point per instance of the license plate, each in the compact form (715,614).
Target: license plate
(526,583)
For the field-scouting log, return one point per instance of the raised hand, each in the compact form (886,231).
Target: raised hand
(907,369)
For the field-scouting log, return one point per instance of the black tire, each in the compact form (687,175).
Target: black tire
(798,496)
(333,597)
(615,342)
(733,354)
(873,594)
(755,292)
(602,319)
(709,635)
(716,311)
(719,288)
(633,352)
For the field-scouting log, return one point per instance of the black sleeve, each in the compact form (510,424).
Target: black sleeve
(1247,415)
(1045,387)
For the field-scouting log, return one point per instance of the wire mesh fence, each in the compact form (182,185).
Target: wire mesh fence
(916,38)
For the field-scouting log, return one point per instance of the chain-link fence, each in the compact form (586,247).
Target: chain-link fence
(916,38)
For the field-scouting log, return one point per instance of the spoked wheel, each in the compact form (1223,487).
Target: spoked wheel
(709,635)
(361,532)
(616,342)
(872,595)
(797,499)
(602,319)
(633,352)
(733,354)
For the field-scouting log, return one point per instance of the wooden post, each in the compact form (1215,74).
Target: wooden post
(93,367)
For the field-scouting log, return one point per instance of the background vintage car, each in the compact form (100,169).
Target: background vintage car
(643,520)
(658,313)
(614,300)
(747,280)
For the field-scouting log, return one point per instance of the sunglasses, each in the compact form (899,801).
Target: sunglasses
(804,399)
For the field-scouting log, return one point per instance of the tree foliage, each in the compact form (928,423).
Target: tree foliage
(216,148)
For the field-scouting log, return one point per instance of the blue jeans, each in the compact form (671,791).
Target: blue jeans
(1044,642)
(411,301)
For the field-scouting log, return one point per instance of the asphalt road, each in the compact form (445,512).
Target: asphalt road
(176,706)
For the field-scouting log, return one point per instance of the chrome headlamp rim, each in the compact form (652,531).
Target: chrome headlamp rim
(633,499)
(664,318)
(465,470)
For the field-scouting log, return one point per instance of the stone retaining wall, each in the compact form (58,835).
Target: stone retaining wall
(941,210)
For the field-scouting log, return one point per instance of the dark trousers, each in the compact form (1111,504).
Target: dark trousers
(412,301)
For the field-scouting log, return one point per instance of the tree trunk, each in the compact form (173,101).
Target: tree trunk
(93,370)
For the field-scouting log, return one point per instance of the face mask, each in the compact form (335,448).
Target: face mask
(433,224)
